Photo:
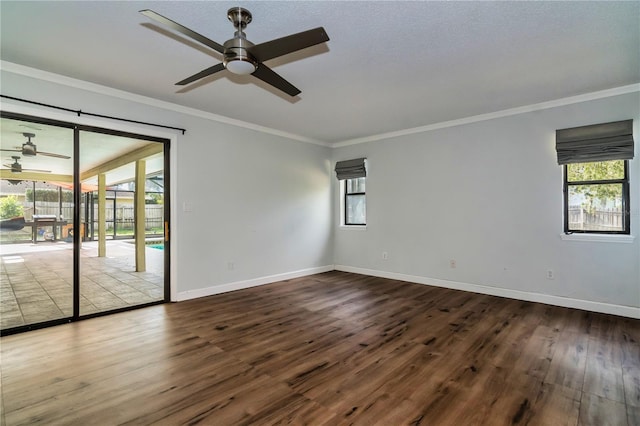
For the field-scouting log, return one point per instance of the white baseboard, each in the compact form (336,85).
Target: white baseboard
(586,305)
(239,285)
(606,308)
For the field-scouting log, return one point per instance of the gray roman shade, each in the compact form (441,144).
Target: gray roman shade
(598,142)
(351,169)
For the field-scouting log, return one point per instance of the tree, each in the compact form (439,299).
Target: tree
(10,207)
(154,198)
(601,170)
(597,171)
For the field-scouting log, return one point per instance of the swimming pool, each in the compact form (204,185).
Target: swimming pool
(156,246)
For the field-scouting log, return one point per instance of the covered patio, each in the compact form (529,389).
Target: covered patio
(36,280)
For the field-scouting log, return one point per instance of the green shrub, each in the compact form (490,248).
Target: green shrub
(50,195)
(10,207)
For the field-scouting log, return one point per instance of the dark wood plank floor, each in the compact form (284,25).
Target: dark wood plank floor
(333,348)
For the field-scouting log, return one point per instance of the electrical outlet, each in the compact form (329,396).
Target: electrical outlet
(452,264)
(550,274)
(385,255)
(230,266)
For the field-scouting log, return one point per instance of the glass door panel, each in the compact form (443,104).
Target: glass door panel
(122,257)
(36,223)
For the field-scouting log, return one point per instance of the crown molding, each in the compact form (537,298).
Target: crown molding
(108,91)
(121,94)
(632,88)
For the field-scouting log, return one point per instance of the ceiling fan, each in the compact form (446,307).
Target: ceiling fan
(240,56)
(28,149)
(16,167)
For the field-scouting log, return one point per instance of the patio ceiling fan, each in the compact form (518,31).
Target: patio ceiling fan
(28,149)
(16,167)
(240,56)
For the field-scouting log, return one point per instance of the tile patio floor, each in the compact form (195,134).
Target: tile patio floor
(36,280)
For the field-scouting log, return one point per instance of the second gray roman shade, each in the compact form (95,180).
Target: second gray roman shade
(351,169)
(597,142)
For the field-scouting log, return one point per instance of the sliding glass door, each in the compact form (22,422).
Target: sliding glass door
(122,262)
(82,217)
(36,254)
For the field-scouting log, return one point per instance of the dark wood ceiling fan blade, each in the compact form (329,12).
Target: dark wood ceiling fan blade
(269,76)
(13,169)
(48,154)
(51,154)
(184,30)
(282,46)
(36,170)
(202,74)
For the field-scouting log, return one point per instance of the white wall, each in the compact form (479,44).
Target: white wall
(489,195)
(260,201)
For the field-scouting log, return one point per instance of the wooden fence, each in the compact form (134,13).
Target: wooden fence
(595,220)
(122,217)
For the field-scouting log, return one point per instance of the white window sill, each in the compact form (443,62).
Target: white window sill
(354,227)
(598,238)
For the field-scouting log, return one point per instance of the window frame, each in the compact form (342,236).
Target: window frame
(626,210)
(346,194)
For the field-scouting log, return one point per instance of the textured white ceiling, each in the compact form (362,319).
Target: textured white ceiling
(389,66)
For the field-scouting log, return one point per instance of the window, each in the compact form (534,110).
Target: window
(595,159)
(352,175)
(355,206)
(596,197)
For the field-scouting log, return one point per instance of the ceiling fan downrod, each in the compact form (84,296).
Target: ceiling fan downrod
(237,59)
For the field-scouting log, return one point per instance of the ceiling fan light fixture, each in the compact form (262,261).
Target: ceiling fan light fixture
(29,149)
(16,167)
(241,66)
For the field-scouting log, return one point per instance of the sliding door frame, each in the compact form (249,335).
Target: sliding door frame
(77,197)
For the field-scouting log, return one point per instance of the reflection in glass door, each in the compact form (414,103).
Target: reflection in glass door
(122,261)
(36,223)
